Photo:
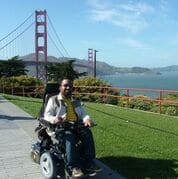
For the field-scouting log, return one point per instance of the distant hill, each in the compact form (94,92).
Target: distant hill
(166,69)
(101,67)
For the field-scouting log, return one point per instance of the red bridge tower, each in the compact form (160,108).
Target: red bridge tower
(41,45)
(90,62)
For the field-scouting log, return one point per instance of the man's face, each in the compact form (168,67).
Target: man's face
(66,88)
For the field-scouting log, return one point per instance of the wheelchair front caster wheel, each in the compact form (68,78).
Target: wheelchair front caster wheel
(48,165)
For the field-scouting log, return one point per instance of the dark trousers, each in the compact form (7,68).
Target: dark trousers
(88,148)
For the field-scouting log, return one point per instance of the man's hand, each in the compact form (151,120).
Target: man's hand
(88,122)
(58,120)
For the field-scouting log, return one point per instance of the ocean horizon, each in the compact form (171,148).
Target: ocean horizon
(164,81)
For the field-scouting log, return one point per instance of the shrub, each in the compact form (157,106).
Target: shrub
(155,108)
(140,102)
(98,88)
(171,110)
(171,97)
(123,101)
(112,99)
(12,85)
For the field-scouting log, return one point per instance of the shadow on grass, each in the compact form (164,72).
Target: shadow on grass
(139,168)
(133,122)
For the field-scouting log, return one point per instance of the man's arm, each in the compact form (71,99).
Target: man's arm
(86,118)
(50,113)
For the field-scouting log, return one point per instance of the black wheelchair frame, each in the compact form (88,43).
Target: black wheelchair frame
(50,152)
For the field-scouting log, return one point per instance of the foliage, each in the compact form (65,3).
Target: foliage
(171,110)
(123,101)
(99,88)
(140,102)
(144,103)
(171,97)
(57,72)
(12,67)
(90,81)
(156,109)
(14,85)
(112,98)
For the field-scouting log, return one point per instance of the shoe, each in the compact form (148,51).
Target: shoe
(93,169)
(90,172)
(77,172)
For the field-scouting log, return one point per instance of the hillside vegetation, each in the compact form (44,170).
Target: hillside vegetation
(102,67)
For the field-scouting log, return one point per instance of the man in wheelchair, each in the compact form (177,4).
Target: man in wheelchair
(64,109)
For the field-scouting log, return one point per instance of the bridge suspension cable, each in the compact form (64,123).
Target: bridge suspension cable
(50,37)
(17,36)
(59,40)
(17,27)
(55,45)
(9,40)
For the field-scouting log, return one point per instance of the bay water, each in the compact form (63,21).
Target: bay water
(164,81)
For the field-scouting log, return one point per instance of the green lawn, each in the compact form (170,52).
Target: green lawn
(136,144)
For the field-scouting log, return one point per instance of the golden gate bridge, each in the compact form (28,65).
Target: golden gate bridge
(42,27)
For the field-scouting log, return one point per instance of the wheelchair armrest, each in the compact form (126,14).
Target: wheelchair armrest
(75,125)
(46,123)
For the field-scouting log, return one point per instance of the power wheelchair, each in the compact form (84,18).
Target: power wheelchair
(49,152)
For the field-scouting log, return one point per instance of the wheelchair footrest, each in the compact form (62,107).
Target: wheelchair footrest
(35,152)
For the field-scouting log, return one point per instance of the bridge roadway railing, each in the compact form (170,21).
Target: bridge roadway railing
(126,94)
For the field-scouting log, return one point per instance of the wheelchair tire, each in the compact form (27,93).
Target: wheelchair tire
(48,165)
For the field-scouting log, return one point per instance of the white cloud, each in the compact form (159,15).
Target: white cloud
(129,16)
(103,15)
(136,44)
(139,8)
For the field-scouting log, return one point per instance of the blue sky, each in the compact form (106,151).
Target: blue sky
(126,33)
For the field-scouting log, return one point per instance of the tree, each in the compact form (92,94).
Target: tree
(57,72)
(12,67)
(2,68)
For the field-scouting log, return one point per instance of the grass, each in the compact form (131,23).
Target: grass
(28,104)
(137,144)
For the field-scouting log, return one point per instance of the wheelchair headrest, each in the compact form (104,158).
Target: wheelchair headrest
(50,90)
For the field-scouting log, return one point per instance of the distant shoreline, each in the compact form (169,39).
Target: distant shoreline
(165,81)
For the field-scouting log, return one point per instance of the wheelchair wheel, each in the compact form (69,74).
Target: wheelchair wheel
(48,165)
